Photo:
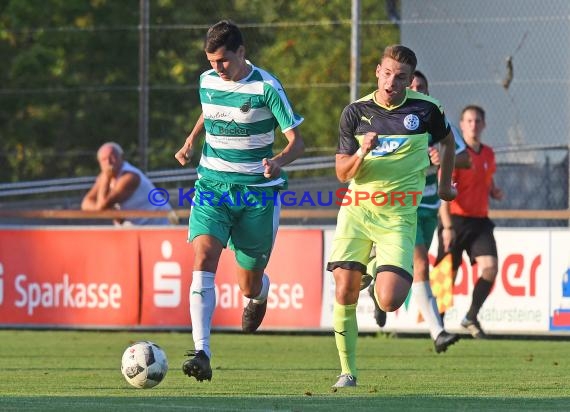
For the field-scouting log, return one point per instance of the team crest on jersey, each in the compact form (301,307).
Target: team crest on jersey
(411,122)
(388,145)
(246,107)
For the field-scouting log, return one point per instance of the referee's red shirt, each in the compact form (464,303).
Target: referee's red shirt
(474,184)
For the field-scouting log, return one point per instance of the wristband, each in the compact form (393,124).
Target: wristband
(360,154)
(448,228)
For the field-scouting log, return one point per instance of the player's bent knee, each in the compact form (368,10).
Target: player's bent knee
(489,273)
(392,291)
(391,305)
(391,300)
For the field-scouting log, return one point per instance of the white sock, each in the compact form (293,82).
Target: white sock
(262,297)
(421,291)
(202,304)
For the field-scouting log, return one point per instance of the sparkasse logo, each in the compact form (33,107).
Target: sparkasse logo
(166,279)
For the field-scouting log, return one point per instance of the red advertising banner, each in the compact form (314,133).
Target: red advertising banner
(166,268)
(69,277)
(295,270)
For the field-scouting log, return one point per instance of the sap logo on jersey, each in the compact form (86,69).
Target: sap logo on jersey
(388,145)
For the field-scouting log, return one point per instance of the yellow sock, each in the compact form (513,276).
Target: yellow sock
(346,333)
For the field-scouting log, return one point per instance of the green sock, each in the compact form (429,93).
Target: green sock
(345,333)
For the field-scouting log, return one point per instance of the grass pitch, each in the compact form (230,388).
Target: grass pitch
(80,370)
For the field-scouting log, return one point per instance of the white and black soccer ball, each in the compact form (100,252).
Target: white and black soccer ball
(144,364)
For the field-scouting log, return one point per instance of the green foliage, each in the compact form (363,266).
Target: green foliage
(71,73)
(80,370)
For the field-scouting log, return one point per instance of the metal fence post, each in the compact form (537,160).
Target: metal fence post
(143,83)
(355,51)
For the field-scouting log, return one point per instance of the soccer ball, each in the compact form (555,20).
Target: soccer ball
(144,364)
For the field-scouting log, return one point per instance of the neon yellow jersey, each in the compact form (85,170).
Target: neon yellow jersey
(393,173)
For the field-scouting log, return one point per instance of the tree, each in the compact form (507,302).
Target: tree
(70,78)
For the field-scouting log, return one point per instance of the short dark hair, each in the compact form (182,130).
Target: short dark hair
(224,33)
(418,73)
(401,54)
(476,108)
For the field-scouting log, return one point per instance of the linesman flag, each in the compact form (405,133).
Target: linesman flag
(441,281)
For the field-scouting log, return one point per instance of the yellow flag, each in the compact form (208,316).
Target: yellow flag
(441,281)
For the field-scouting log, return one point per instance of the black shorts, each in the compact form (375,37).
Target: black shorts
(473,235)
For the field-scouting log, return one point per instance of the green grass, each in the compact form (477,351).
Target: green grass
(79,370)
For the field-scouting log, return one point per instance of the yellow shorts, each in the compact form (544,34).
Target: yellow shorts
(358,229)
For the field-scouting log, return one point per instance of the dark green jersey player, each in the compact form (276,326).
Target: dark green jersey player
(382,151)
(427,223)
(241,107)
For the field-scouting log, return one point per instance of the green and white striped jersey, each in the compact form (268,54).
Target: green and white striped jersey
(240,119)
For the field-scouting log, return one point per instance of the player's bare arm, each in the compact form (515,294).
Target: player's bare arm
(448,233)
(185,153)
(294,149)
(347,165)
(463,160)
(434,156)
(446,191)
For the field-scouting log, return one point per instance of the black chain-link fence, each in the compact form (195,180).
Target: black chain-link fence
(508,56)
(532,179)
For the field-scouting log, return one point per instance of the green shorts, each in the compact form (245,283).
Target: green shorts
(358,229)
(427,223)
(244,217)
